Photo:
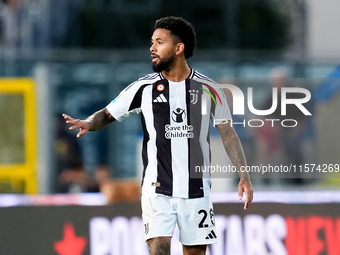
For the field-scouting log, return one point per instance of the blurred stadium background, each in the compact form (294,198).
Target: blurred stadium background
(74,57)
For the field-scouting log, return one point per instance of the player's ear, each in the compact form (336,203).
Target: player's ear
(179,48)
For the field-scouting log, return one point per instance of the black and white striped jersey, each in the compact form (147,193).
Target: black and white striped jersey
(175,120)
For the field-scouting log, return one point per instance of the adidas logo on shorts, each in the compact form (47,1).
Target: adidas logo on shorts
(211,235)
(160,99)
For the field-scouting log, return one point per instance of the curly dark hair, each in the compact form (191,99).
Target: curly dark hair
(182,29)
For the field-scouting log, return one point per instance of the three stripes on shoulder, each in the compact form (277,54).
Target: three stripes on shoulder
(160,99)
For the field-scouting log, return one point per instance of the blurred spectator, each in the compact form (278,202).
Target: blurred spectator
(9,22)
(72,177)
(276,144)
(68,160)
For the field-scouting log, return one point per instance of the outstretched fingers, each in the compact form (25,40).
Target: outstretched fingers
(81,132)
(69,119)
(66,117)
(76,124)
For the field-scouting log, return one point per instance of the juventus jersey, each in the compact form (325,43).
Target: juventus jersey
(175,119)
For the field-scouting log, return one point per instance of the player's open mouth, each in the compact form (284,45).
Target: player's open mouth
(154,58)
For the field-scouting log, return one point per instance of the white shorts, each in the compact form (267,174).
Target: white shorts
(194,217)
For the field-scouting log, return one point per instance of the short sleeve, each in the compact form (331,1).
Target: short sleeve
(125,103)
(221,112)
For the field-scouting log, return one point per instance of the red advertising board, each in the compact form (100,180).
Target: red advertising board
(265,228)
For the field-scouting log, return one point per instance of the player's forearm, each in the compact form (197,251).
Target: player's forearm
(99,120)
(234,149)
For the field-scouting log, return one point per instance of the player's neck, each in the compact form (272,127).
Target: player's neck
(179,72)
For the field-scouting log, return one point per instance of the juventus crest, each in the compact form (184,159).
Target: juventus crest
(193,96)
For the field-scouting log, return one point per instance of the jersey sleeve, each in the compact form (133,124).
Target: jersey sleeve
(125,103)
(221,112)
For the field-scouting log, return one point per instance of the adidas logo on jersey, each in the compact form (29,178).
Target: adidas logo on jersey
(160,99)
(211,235)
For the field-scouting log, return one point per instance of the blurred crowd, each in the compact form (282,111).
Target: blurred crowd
(10,30)
(83,165)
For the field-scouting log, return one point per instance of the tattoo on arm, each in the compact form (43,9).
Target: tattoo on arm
(99,119)
(109,117)
(233,147)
